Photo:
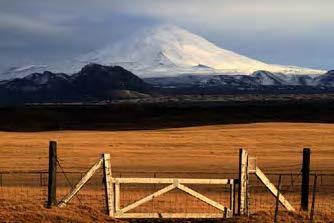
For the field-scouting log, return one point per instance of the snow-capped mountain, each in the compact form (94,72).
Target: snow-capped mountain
(166,50)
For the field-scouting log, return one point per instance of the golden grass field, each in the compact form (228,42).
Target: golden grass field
(277,146)
(203,148)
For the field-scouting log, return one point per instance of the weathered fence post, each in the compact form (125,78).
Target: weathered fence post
(243,180)
(313,198)
(277,198)
(52,199)
(305,179)
(232,194)
(234,211)
(109,185)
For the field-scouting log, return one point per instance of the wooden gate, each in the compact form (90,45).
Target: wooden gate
(247,165)
(172,183)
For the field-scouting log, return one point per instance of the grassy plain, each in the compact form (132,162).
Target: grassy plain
(277,146)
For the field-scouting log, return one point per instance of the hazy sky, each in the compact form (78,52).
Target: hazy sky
(291,32)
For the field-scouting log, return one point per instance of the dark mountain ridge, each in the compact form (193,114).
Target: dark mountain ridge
(92,82)
(96,82)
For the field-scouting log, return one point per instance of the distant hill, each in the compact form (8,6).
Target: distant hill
(92,82)
(260,81)
(96,82)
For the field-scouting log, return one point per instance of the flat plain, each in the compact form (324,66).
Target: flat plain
(214,148)
(198,151)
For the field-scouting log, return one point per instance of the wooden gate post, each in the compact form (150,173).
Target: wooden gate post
(232,197)
(52,199)
(305,179)
(109,185)
(243,180)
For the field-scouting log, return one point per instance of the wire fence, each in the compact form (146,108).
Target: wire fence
(262,200)
(31,187)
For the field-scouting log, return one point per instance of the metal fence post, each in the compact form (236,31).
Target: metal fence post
(52,199)
(305,179)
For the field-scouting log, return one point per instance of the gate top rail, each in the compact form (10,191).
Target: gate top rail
(172,180)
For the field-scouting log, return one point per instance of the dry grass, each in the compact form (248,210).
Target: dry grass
(23,208)
(11,211)
(208,148)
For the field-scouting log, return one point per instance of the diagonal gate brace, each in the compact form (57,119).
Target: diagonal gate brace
(81,183)
(262,177)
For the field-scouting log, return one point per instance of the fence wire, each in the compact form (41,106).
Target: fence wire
(31,187)
(262,200)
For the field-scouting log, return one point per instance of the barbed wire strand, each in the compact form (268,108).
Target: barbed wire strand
(67,180)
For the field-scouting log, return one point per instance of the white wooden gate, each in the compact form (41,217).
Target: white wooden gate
(172,183)
(113,185)
(247,165)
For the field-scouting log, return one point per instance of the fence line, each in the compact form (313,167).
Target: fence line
(43,175)
(33,185)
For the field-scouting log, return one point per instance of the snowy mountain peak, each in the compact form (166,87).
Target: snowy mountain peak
(166,46)
(167,50)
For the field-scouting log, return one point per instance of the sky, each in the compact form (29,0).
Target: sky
(289,32)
